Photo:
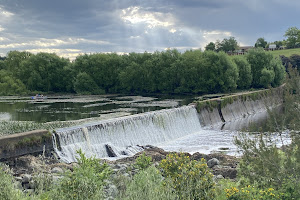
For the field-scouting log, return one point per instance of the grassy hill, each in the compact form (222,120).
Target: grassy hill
(286,52)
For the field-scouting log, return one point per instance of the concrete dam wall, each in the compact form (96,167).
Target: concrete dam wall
(238,110)
(124,136)
(25,143)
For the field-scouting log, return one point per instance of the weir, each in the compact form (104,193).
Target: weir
(125,136)
(205,127)
(122,136)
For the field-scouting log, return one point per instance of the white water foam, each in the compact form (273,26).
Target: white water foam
(125,133)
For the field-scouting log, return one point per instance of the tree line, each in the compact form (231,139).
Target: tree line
(292,40)
(230,44)
(168,71)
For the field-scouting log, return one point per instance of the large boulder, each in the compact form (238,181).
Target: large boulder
(212,162)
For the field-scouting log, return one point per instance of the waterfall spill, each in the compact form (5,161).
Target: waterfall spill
(122,136)
(176,129)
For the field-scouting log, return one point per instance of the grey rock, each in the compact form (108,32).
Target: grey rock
(124,165)
(56,178)
(26,178)
(74,164)
(18,178)
(26,186)
(29,191)
(219,176)
(112,191)
(218,167)
(18,185)
(57,170)
(32,185)
(122,169)
(120,166)
(107,182)
(212,162)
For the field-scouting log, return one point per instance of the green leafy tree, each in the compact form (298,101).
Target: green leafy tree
(13,63)
(10,85)
(220,73)
(44,72)
(207,71)
(266,69)
(293,37)
(132,77)
(210,46)
(278,43)
(103,68)
(190,68)
(279,71)
(245,75)
(2,65)
(84,84)
(267,77)
(261,42)
(69,77)
(228,45)
(165,72)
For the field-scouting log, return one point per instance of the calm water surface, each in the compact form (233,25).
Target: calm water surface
(65,108)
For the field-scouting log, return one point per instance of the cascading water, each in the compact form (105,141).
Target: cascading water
(177,129)
(121,136)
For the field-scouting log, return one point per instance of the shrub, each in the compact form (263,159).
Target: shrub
(43,182)
(290,188)
(263,163)
(143,161)
(85,182)
(191,179)
(251,192)
(7,187)
(148,185)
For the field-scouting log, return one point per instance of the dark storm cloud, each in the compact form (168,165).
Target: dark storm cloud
(69,27)
(245,19)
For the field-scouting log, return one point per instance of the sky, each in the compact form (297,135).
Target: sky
(73,27)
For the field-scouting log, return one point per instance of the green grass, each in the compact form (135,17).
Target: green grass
(286,52)
(11,127)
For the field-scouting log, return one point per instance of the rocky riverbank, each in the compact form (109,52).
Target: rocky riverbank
(29,170)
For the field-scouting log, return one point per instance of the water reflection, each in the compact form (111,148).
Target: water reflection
(5,116)
(65,108)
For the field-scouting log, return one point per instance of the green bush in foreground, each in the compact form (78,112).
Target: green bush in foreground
(251,192)
(191,179)
(143,162)
(8,190)
(263,163)
(85,182)
(148,185)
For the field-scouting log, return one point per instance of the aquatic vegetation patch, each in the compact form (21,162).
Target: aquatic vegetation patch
(209,104)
